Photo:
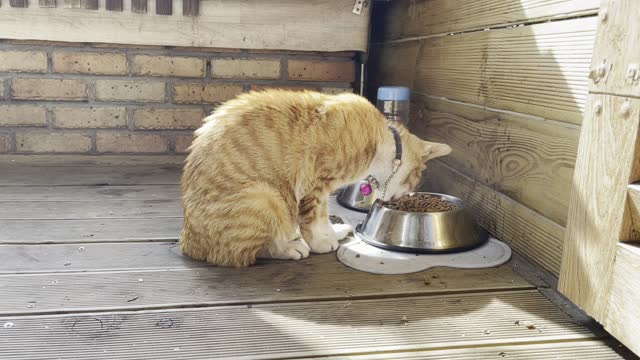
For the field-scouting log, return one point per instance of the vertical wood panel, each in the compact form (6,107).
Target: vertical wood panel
(190,7)
(164,7)
(81,4)
(618,51)
(91,4)
(114,5)
(73,4)
(47,3)
(606,152)
(18,3)
(624,312)
(139,6)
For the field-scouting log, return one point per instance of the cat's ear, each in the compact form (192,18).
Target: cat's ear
(432,150)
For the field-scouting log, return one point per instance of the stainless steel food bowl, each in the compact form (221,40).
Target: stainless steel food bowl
(434,232)
(351,198)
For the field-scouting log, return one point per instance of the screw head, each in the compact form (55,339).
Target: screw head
(625,109)
(597,108)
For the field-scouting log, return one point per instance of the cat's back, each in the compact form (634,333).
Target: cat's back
(253,134)
(262,112)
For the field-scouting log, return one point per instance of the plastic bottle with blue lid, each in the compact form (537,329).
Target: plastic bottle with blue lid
(393,102)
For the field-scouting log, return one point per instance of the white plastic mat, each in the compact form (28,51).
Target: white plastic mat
(359,255)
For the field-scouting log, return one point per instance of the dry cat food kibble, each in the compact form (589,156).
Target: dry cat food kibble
(421,203)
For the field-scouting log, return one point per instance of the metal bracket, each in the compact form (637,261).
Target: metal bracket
(358,5)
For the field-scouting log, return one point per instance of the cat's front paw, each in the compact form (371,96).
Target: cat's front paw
(342,230)
(323,245)
(296,249)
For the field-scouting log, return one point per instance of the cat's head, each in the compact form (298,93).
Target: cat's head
(415,154)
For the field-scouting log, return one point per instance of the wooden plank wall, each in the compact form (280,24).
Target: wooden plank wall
(504,82)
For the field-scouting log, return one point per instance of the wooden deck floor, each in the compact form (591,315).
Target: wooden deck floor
(89,269)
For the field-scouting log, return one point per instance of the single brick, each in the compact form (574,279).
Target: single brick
(245,68)
(335,91)
(49,89)
(111,142)
(204,93)
(22,115)
(183,142)
(5,143)
(168,118)
(257,87)
(126,90)
(23,61)
(316,70)
(89,63)
(41,142)
(169,66)
(90,117)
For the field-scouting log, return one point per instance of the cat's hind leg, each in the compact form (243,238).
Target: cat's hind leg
(233,230)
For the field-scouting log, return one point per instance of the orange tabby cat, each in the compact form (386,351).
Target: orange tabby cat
(260,171)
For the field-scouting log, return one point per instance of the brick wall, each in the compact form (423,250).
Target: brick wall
(93,98)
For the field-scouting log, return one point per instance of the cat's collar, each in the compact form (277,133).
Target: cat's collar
(366,189)
(397,161)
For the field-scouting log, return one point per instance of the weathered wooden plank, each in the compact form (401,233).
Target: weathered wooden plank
(528,232)
(528,159)
(82,160)
(47,3)
(617,50)
(107,209)
(164,7)
(539,70)
(90,193)
(406,18)
(254,24)
(190,7)
(93,257)
(19,3)
(139,6)
(20,175)
(113,5)
(606,154)
(623,316)
(89,230)
(294,329)
(592,350)
(320,277)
